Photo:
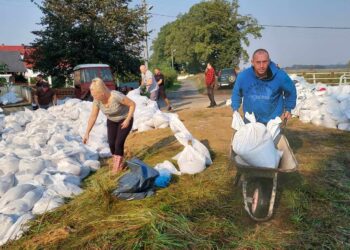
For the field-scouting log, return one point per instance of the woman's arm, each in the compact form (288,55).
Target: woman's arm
(93,116)
(128,102)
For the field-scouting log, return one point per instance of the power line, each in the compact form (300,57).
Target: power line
(305,27)
(280,26)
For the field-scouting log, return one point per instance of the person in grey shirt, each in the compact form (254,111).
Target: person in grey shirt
(149,81)
(119,110)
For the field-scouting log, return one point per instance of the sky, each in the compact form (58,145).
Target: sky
(287,46)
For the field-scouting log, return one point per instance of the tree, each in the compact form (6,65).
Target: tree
(89,31)
(212,31)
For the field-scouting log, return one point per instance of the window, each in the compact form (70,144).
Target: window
(106,75)
(88,74)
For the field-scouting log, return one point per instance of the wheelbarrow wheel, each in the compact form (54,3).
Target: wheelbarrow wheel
(259,191)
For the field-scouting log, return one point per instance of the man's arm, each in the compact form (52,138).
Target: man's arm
(290,97)
(160,81)
(36,100)
(236,98)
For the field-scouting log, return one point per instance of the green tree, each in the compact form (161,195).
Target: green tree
(88,31)
(212,31)
(3,68)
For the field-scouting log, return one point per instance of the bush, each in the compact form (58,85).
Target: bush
(170,75)
(2,80)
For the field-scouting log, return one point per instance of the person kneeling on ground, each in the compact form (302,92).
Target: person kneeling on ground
(266,90)
(45,96)
(119,110)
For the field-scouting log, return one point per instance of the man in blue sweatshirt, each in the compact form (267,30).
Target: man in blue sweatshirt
(267,91)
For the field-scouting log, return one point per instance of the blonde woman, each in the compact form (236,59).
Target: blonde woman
(119,110)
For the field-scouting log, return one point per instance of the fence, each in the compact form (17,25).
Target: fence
(330,77)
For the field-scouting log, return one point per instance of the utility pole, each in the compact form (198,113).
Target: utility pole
(146,9)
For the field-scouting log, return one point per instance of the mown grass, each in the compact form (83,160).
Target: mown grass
(205,211)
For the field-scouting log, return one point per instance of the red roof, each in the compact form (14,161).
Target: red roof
(25,51)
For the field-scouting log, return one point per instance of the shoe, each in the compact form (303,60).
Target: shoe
(170,108)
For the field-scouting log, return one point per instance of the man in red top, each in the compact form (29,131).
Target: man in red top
(210,82)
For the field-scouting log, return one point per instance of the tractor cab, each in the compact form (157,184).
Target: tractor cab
(83,75)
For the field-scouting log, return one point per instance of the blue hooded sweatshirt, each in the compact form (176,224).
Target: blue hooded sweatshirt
(266,98)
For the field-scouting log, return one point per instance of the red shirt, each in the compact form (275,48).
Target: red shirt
(210,76)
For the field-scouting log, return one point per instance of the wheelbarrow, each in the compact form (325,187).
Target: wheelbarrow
(259,184)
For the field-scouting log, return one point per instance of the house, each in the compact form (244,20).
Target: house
(24,51)
(12,61)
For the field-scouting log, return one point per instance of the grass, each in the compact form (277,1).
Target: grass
(205,211)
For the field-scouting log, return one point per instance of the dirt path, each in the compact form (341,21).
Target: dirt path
(188,97)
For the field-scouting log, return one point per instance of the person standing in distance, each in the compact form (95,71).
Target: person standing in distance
(210,82)
(148,80)
(161,85)
(266,90)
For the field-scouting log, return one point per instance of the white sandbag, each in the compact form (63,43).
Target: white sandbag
(159,119)
(6,223)
(328,122)
(345,107)
(27,152)
(47,203)
(105,152)
(65,189)
(15,193)
(24,204)
(93,165)
(143,128)
(305,116)
(43,179)
(254,144)
(273,126)
(17,229)
(168,166)
(190,161)
(70,166)
(317,121)
(184,138)
(237,121)
(24,178)
(177,126)
(202,150)
(71,103)
(9,164)
(6,182)
(31,166)
(344,126)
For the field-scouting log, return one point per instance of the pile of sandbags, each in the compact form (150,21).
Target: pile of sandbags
(10,98)
(253,142)
(147,115)
(322,105)
(43,161)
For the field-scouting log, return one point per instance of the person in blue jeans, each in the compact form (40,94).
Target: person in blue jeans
(265,89)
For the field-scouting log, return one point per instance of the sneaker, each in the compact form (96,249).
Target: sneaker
(210,106)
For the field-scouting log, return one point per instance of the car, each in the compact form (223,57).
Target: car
(83,75)
(227,77)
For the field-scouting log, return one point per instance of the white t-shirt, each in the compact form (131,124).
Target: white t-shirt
(145,77)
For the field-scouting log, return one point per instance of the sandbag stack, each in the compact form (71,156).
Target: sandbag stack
(323,105)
